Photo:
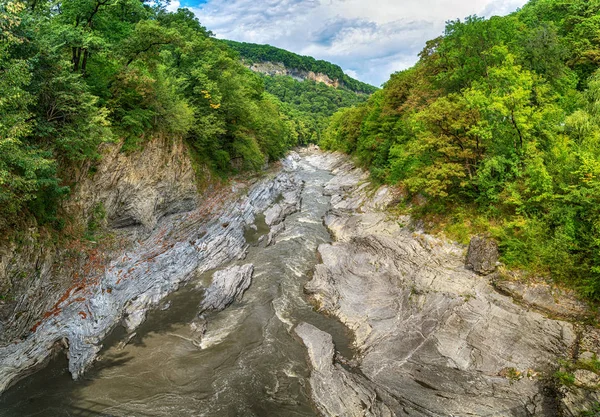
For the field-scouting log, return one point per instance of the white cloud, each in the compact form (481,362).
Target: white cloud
(369,38)
(174,5)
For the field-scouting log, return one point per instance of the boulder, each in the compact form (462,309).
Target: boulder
(482,255)
(227,285)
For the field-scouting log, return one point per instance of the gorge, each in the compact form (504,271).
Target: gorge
(418,333)
(196,226)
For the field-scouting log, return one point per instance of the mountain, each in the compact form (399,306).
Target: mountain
(309,91)
(270,60)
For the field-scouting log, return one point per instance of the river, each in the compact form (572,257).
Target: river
(249,363)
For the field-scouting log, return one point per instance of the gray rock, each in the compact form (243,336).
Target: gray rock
(433,338)
(576,401)
(482,255)
(587,379)
(336,391)
(227,286)
(178,248)
(545,298)
(290,203)
(275,230)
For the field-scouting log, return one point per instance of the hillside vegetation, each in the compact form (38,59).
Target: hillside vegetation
(498,128)
(266,53)
(78,73)
(310,104)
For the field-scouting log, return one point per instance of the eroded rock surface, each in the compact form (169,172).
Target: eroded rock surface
(433,337)
(227,286)
(336,391)
(179,247)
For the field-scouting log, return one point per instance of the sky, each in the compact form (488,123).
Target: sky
(369,39)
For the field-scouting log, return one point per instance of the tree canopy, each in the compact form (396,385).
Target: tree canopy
(252,53)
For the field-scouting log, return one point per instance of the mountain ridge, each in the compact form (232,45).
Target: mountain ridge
(283,62)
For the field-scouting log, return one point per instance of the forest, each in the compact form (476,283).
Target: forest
(496,130)
(310,104)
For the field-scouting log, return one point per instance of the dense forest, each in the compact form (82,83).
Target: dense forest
(77,73)
(266,53)
(497,130)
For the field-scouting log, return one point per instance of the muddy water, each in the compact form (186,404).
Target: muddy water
(248,363)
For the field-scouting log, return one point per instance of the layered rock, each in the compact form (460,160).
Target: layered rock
(278,69)
(433,338)
(227,285)
(337,391)
(177,248)
(127,191)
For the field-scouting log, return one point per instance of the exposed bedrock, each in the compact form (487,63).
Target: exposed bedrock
(127,191)
(336,391)
(176,249)
(227,286)
(433,338)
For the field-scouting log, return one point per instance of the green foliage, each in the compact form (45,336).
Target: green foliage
(565,378)
(309,104)
(95,221)
(501,116)
(266,53)
(77,73)
(594,411)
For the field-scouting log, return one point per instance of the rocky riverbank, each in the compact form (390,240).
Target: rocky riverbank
(433,338)
(178,247)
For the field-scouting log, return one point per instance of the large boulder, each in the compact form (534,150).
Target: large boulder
(482,255)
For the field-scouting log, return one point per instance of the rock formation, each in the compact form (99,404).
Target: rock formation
(227,286)
(432,337)
(336,391)
(482,255)
(163,258)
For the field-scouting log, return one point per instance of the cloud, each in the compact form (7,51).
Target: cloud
(369,39)
(174,5)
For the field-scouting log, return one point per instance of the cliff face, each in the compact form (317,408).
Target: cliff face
(277,68)
(129,192)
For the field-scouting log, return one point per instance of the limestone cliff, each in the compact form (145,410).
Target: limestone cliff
(277,68)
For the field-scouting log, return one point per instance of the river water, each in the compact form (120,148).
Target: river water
(248,364)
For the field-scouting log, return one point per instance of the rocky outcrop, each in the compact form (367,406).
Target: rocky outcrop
(177,248)
(277,68)
(139,188)
(126,191)
(227,286)
(482,255)
(290,203)
(544,297)
(336,391)
(433,338)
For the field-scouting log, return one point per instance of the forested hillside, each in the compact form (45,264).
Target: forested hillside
(497,129)
(310,104)
(77,73)
(253,53)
